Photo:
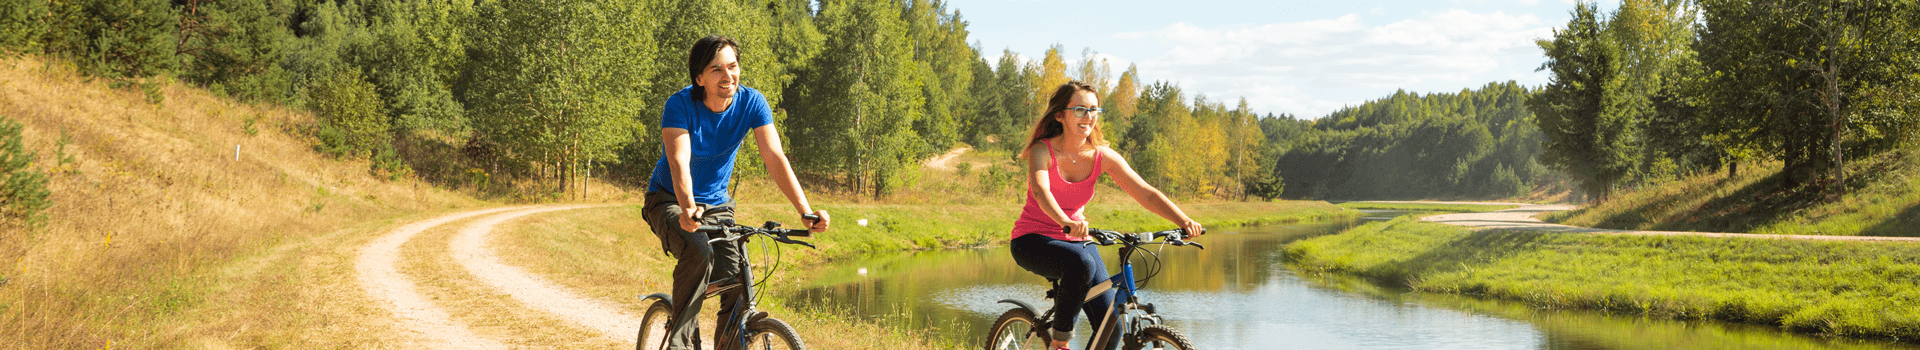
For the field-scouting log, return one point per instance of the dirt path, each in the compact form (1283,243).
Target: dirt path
(945,161)
(469,248)
(1524,218)
(427,322)
(430,325)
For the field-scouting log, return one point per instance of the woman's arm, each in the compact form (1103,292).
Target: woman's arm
(1148,197)
(778,169)
(1041,190)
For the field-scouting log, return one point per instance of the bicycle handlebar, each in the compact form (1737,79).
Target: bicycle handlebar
(771,229)
(1176,237)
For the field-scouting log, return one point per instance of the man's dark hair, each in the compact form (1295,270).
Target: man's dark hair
(702,54)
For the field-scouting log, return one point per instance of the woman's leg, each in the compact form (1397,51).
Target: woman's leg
(1077,267)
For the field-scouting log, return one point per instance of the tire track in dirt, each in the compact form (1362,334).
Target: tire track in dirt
(383,282)
(468,247)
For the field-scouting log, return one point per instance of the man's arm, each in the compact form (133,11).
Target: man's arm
(775,157)
(679,149)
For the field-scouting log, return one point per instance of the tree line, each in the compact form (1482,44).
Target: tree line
(464,92)
(1662,87)
(1476,143)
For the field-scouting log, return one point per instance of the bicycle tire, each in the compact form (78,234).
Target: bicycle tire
(771,333)
(1160,337)
(1016,330)
(653,326)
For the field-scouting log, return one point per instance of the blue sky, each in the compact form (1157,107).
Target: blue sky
(1306,58)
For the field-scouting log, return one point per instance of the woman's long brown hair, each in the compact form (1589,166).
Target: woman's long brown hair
(1048,126)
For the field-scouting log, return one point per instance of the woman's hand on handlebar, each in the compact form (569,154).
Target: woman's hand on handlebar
(1076,229)
(1193,228)
(817,226)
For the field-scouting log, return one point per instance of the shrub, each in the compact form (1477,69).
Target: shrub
(23,190)
(352,121)
(22,23)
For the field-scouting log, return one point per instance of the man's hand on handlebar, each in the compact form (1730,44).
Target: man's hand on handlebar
(690,220)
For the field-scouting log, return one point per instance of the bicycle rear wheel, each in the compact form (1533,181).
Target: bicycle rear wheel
(770,334)
(653,326)
(1017,329)
(1160,337)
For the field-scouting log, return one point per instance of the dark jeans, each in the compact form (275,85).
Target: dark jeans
(663,212)
(1076,268)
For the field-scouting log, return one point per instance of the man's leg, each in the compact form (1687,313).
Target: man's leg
(689,273)
(727,258)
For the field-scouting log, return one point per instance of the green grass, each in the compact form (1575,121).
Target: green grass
(1433,207)
(1881,197)
(1859,289)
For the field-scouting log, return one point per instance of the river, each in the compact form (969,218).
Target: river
(1238,293)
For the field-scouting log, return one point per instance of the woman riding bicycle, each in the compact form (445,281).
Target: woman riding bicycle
(1057,195)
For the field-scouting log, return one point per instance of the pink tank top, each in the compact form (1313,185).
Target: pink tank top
(1072,197)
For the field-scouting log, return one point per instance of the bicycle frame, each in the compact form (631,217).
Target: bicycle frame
(1123,299)
(1126,298)
(744,311)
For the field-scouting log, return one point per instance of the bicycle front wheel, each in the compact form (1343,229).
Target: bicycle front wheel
(769,334)
(1017,330)
(653,326)
(1161,337)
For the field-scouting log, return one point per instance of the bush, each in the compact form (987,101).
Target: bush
(120,39)
(23,190)
(22,24)
(352,118)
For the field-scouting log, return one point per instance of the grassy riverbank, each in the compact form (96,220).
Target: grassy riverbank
(1857,289)
(1882,198)
(1431,207)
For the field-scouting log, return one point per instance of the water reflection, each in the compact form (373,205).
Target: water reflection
(1238,294)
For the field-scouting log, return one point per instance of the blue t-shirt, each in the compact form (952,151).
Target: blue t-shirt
(715,140)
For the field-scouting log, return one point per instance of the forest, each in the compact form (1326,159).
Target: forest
(484,94)
(1664,87)
(496,94)
(1476,143)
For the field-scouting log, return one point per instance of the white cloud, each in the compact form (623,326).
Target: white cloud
(1289,67)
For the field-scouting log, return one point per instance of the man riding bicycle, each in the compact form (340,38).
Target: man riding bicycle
(701,130)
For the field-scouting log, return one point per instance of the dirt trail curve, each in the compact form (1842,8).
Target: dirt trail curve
(945,161)
(431,325)
(1523,218)
(469,248)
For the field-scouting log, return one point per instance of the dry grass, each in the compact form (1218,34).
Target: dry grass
(159,238)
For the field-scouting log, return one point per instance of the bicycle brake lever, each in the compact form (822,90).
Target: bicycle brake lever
(783,239)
